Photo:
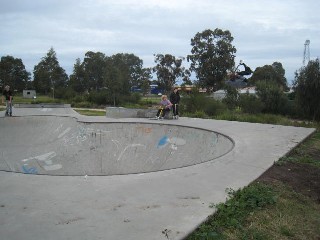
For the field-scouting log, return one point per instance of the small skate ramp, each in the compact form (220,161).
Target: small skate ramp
(56,145)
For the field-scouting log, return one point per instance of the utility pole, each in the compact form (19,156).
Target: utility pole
(306,53)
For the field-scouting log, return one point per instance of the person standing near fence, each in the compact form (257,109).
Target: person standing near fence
(7,98)
(175,100)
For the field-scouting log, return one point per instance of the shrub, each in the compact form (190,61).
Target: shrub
(250,103)
(200,114)
(196,102)
(307,87)
(84,104)
(213,107)
(79,98)
(193,102)
(100,97)
(132,99)
(232,97)
(272,96)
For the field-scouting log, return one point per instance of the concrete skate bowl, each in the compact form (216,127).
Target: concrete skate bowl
(55,145)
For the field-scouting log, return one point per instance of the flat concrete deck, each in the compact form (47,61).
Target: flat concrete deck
(166,204)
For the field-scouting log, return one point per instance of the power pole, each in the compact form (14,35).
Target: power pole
(306,53)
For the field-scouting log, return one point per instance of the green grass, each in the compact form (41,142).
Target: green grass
(307,152)
(292,216)
(88,112)
(152,99)
(39,99)
(264,211)
(231,215)
(265,119)
(146,102)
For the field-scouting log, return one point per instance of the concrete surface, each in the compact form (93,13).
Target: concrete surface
(57,145)
(165,204)
(120,112)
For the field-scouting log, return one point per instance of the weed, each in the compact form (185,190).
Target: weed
(232,213)
(267,211)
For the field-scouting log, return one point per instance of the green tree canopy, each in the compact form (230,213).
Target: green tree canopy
(48,75)
(212,54)
(13,73)
(169,69)
(118,73)
(307,88)
(270,73)
(131,65)
(77,78)
(128,68)
(145,80)
(93,66)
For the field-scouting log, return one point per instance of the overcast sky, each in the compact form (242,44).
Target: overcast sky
(264,31)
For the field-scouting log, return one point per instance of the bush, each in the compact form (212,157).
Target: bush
(196,114)
(292,109)
(79,98)
(272,97)
(193,102)
(132,99)
(99,98)
(232,97)
(250,103)
(84,104)
(196,102)
(213,107)
(307,87)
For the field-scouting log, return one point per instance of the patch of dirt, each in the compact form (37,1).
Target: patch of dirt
(314,153)
(303,178)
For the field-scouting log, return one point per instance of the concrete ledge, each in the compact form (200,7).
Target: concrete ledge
(120,112)
(42,105)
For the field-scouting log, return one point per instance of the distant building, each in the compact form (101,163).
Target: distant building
(221,94)
(250,90)
(29,93)
(154,89)
(136,89)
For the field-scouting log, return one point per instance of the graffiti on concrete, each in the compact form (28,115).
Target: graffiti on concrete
(45,161)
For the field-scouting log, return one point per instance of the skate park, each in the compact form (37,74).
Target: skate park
(68,176)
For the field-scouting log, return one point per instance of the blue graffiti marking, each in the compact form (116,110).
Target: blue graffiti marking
(31,170)
(163,141)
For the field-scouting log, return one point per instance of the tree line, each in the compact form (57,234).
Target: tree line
(212,57)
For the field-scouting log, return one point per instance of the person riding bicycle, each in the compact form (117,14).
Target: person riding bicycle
(247,70)
(165,106)
(237,79)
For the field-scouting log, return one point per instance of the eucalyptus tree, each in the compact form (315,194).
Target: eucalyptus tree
(77,78)
(14,73)
(48,75)
(280,78)
(93,66)
(212,54)
(128,68)
(168,70)
(145,80)
(274,73)
(307,88)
